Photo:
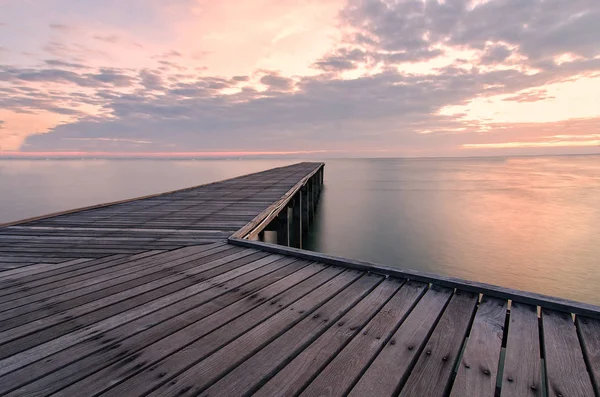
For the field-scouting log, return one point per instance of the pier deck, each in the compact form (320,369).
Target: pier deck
(165,296)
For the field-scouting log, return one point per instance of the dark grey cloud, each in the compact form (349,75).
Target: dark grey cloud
(276,82)
(59,26)
(240,78)
(541,28)
(340,60)
(106,76)
(64,64)
(151,80)
(108,38)
(112,76)
(496,54)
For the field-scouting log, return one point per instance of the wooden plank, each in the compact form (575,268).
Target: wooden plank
(102,271)
(35,268)
(342,373)
(495,291)
(140,320)
(478,368)
(432,374)
(31,334)
(294,377)
(78,297)
(168,317)
(64,291)
(402,350)
(522,363)
(35,282)
(589,335)
(566,372)
(210,369)
(206,338)
(26,260)
(248,376)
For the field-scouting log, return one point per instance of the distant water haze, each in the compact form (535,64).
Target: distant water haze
(530,223)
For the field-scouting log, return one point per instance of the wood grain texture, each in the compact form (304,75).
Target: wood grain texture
(345,369)
(206,336)
(522,363)
(566,372)
(247,376)
(210,369)
(294,377)
(402,350)
(432,374)
(149,327)
(589,335)
(478,368)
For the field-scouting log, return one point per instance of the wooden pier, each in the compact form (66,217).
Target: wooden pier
(173,295)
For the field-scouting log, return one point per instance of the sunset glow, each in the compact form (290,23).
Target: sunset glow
(296,77)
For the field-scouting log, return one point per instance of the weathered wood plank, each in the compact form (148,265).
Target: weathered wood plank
(566,372)
(432,374)
(589,335)
(35,268)
(78,297)
(211,368)
(247,377)
(168,317)
(478,368)
(62,277)
(31,334)
(402,350)
(522,364)
(337,378)
(302,297)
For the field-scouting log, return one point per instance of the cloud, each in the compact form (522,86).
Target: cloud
(401,76)
(151,80)
(113,38)
(531,96)
(112,76)
(340,60)
(104,76)
(59,63)
(59,27)
(496,54)
(276,82)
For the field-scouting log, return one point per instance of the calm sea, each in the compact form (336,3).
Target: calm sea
(530,223)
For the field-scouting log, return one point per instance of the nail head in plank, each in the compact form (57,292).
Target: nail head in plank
(478,368)
(522,364)
(566,372)
(403,349)
(432,374)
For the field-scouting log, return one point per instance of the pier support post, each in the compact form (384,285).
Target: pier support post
(283,227)
(304,194)
(297,227)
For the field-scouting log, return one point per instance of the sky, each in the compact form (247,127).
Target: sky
(338,78)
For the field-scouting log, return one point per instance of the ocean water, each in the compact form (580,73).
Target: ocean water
(530,223)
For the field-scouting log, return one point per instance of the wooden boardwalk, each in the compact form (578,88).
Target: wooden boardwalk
(151,298)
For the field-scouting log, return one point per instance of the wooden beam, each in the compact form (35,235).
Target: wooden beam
(530,298)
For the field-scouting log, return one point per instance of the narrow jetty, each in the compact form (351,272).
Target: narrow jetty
(181,294)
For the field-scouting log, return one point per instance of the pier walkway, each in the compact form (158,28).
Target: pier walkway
(172,295)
